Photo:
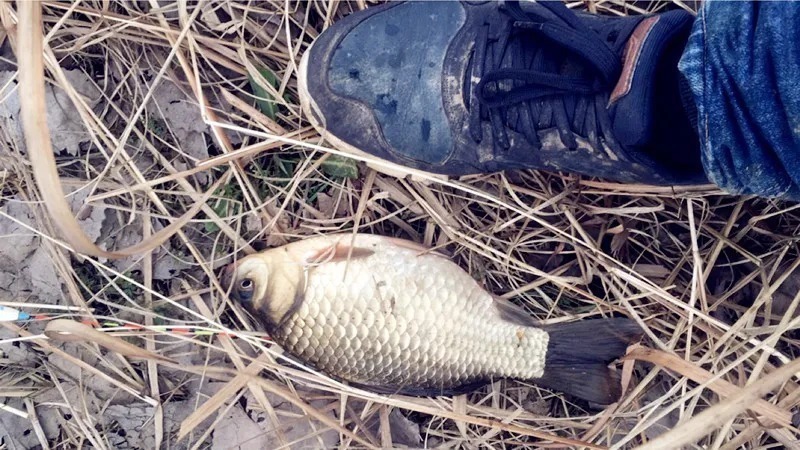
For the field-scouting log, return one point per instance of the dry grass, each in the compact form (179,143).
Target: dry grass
(700,271)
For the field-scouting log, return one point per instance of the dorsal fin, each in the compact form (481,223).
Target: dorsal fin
(513,313)
(337,252)
(411,245)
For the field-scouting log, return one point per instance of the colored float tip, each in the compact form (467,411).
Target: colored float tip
(11,314)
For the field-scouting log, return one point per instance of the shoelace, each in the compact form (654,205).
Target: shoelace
(536,97)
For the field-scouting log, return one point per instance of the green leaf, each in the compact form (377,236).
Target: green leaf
(228,201)
(340,167)
(264,100)
(221,208)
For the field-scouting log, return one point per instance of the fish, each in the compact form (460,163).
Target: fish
(391,316)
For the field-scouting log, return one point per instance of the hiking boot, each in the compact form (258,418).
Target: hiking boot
(457,88)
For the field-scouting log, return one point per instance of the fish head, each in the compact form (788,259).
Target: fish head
(247,281)
(268,285)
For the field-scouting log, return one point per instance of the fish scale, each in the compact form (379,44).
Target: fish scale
(390,316)
(381,323)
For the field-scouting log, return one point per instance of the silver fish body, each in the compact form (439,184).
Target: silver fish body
(388,315)
(398,318)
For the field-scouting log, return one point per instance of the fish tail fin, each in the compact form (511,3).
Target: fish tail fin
(578,355)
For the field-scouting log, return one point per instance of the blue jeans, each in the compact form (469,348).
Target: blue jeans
(742,62)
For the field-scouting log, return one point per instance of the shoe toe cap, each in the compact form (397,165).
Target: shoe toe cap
(377,76)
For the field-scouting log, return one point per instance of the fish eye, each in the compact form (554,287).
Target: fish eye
(245,289)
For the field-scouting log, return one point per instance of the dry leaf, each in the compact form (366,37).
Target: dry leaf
(703,423)
(238,431)
(404,431)
(31,70)
(619,240)
(652,271)
(183,118)
(67,130)
(697,374)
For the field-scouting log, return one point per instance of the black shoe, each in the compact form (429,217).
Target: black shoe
(458,88)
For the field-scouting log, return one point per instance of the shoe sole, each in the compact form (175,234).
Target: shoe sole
(379,164)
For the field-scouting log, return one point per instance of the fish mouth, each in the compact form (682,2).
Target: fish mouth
(226,277)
